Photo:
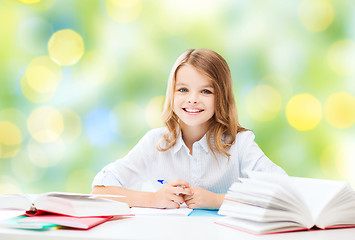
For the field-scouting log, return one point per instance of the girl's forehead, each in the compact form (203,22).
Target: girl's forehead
(189,74)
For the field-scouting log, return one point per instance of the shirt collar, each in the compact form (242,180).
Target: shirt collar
(180,143)
(204,144)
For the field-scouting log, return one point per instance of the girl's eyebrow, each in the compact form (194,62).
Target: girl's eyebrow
(204,86)
(208,86)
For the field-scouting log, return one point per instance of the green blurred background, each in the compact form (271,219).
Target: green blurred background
(83,80)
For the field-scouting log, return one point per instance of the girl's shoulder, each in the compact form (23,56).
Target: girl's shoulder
(243,139)
(245,135)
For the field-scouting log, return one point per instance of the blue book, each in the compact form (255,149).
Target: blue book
(204,213)
(16,223)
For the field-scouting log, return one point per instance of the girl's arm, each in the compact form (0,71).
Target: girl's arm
(170,196)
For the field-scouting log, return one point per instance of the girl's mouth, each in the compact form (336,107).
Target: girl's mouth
(193,110)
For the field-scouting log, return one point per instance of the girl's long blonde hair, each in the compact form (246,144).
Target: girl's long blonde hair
(224,125)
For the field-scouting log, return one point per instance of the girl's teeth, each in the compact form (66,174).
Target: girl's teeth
(192,110)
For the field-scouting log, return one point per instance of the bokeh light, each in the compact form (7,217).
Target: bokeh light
(45,124)
(346,165)
(153,112)
(316,15)
(41,76)
(29,1)
(123,11)
(263,103)
(41,80)
(66,47)
(10,139)
(339,110)
(16,117)
(341,57)
(337,160)
(39,5)
(100,127)
(304,112)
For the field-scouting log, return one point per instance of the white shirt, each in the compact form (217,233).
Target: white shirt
(144,164)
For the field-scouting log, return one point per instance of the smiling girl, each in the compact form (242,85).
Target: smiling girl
(201,151)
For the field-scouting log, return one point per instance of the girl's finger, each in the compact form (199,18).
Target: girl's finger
(191,205)
(187,197)
(179,182)
(177,199)
(182,190)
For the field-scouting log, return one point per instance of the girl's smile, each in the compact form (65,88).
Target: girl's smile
(193,110)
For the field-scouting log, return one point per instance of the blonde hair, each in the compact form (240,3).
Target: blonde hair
(224,125)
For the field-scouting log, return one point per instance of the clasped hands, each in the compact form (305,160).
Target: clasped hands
(177,192)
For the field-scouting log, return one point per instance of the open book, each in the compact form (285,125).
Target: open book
(270,203)
(71,204)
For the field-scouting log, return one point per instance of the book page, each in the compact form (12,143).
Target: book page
(317,193)
(15,201)
(259,214)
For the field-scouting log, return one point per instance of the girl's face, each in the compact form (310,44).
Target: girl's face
(194,98)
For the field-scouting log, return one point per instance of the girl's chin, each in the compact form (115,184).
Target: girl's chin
(190,124)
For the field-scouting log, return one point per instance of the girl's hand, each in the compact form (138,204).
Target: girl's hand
(201,198)
(171,195)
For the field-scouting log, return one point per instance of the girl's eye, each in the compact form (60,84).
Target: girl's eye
(206,91)
(182,90)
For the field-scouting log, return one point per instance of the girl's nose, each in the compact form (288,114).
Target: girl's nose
(192,101)
(192,98)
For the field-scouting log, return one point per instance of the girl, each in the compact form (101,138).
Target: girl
(201,151)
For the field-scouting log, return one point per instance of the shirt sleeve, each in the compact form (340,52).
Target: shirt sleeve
(129,171)
(252,158)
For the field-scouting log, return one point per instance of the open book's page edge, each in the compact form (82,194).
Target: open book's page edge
(340,226)
(262,233)
(285,231)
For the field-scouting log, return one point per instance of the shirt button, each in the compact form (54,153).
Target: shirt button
(104,171)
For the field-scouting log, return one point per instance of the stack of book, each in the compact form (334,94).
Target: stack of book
(54,209)
(268,203)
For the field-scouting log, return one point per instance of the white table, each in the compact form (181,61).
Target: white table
(168,227)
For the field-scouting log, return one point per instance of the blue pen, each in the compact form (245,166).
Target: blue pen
(162,181)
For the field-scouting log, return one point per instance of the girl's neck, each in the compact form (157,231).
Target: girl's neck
(190,135)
